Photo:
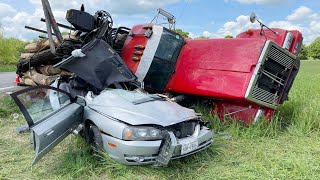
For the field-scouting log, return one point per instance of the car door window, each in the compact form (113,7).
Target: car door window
(42,102)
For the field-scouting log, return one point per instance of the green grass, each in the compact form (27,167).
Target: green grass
(10,49)
(8,67)
(286,148)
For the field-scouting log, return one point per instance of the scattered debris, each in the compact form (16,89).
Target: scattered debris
(225,136)
(15,115)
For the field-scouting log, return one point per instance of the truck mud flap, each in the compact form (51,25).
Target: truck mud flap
(166,151)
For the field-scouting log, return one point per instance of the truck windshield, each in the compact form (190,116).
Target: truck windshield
(164,61)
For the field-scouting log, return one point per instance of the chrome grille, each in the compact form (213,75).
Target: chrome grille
(270,76)
(265,96)
(280,57)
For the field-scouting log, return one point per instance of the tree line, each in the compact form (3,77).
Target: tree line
(10,49)
(310,51)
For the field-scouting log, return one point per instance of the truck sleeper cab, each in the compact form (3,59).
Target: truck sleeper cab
(248,76)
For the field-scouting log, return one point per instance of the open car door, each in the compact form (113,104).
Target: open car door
(52,114)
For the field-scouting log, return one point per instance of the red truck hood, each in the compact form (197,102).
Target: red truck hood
(237,55)
(219,68)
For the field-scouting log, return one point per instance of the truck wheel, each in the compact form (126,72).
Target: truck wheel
(95,138)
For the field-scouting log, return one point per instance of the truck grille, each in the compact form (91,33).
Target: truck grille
(270,76)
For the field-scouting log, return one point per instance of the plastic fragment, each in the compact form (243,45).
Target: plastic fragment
(77,53)
(15,115)
(225,136)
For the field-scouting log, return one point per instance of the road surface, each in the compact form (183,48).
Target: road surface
(7,80)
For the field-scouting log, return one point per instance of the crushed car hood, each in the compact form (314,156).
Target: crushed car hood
(120,104)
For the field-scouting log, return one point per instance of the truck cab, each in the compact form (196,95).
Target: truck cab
(247,76)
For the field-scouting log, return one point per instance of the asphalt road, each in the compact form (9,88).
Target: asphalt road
(7,80)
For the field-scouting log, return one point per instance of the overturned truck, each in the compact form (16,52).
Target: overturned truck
(245,78)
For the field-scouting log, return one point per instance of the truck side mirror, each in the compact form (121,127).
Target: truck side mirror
(253,17)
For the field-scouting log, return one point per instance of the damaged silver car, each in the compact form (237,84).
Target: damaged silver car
(133,127)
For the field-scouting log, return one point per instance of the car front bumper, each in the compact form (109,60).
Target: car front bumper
(147,152)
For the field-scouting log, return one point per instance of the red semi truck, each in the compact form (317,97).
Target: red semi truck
(247,77)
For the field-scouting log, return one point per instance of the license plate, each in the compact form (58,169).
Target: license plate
(188,147)
(166,152)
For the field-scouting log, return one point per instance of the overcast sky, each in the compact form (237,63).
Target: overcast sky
(212,18)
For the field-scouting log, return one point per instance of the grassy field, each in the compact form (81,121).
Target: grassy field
(286,148)
(8,67)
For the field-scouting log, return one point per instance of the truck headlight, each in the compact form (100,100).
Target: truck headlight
(141,133)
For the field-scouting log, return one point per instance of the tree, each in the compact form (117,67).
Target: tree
(228,36)
(303,55)
(182,33)
(314,49)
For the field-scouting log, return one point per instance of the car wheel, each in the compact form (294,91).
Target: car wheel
(95,138)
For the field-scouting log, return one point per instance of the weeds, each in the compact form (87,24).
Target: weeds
(7,107)
(8,67)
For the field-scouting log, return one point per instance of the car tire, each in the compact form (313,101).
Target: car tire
(95,139)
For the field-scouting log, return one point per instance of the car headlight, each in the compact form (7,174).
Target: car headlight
(141,133)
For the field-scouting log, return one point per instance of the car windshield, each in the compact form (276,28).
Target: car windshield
(136,97)
(164,61)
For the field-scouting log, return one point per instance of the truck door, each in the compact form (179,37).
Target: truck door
(51,114)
